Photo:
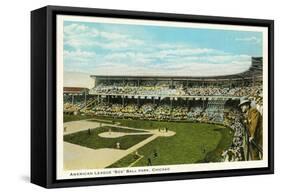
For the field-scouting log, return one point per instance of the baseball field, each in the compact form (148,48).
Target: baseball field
(146,142)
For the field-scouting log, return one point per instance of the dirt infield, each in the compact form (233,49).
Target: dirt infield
(75,126)
(79,157)
(119,134)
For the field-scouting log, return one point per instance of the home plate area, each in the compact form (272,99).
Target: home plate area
(110,134)
(118,134)
(103,145)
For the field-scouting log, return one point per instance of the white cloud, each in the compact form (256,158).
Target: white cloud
(190,69)
(155,63)
(77,79)
(79,54)
(186,51)
(80,36)
(251,39)
(112,36)
(143,64)
(74,29)
(127,55)
(78,57)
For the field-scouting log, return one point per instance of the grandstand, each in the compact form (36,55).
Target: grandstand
(209,99)
(74,98)
(112,85)
(141,96)
(178,90)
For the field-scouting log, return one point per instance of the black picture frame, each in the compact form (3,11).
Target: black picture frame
(43,95)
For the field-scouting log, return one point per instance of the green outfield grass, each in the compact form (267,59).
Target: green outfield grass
(68,118)
(193,143)
(94,141)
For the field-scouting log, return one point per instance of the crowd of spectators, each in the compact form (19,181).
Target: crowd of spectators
(147,88)
(233,119)
(158,112)
(71,107)
(144,90)
(73,103)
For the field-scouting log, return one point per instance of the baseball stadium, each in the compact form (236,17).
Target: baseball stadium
(132,121)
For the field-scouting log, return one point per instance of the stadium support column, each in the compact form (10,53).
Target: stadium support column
(171,107)
(203,103)
(123,101)
(138,101)
(85,97)
(72,99)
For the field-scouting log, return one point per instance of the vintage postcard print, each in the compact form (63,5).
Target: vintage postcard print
(141,97)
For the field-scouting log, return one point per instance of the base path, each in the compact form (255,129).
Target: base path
(114,134)
(75,126)
(79,157)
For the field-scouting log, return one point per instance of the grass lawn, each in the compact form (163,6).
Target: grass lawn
(193,143)
(68,118)
(94,141)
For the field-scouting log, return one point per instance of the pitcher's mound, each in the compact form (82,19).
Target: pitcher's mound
(163,133)
(119,134)
(112,134)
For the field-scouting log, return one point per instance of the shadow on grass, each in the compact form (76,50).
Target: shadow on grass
(224,143)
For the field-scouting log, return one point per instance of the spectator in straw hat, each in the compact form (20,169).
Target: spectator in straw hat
(254,128)
(259,104)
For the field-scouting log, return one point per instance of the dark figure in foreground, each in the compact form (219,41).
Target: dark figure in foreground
(253,123)
(155,154)
(89,131)
(149,163)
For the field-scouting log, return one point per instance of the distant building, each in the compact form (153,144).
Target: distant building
(75,90)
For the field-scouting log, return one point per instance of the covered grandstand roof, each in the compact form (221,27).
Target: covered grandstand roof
(74,90)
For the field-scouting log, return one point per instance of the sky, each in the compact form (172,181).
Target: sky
(126,49)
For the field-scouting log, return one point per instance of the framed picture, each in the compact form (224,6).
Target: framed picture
(125,96)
